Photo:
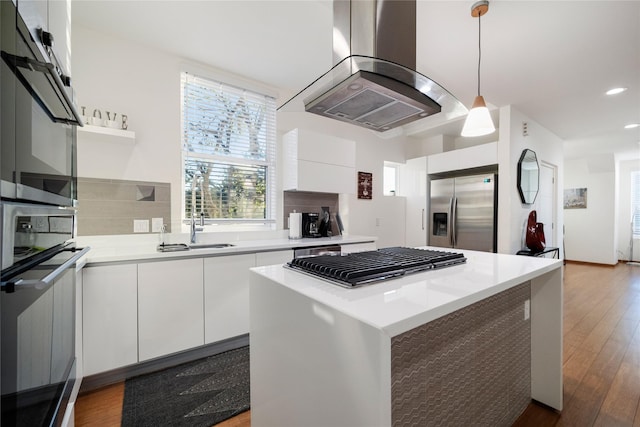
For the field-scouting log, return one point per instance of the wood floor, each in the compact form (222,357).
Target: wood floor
(601,357)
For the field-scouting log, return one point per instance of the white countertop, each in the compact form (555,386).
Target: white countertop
(132,249)
(399,305)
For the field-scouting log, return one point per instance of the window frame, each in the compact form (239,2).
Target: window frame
(396,167)
(270,163)
(635,204)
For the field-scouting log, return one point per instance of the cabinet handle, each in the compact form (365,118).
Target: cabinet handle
(422,219)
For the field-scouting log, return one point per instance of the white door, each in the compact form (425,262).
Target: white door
(546,202)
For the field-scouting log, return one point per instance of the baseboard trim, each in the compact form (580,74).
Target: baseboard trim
(594,264)
(103,379)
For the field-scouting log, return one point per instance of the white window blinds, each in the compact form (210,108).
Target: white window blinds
(228,144)
(635,202)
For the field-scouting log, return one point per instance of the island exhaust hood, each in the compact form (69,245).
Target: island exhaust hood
(374,83)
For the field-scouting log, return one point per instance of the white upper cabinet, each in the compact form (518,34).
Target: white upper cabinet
(318,162)
(464,158)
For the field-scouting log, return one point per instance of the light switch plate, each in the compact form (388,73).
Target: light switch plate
(140,225)
(156,225)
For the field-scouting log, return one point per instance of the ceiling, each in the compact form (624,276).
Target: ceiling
(551,60)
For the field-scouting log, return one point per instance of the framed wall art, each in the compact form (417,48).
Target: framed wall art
(365,185)
(575,198)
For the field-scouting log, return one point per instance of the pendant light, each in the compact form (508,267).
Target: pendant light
(478,120)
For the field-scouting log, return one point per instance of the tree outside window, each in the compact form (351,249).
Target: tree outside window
(228,150)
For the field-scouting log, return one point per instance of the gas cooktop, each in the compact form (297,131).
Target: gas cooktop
(361,268)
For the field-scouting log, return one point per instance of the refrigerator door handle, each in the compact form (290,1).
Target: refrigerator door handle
(450,222)
(454,216)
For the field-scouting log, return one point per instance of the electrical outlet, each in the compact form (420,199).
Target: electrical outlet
(140,225)
(527,309)
(156,225)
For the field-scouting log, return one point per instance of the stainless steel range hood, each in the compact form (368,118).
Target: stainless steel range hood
(374,83)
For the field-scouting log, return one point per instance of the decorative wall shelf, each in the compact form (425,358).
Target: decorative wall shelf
(120,133)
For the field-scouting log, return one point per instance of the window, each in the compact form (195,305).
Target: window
(390,179)
(635,203)
(228,146)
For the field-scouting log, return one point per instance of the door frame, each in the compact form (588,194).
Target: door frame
(557,237)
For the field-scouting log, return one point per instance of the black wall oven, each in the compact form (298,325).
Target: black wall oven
(38,118)
(37,313)
(37,197)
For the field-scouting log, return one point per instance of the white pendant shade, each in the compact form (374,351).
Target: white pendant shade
(478,120)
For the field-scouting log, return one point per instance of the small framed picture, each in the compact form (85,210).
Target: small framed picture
(365,185)
(575,198)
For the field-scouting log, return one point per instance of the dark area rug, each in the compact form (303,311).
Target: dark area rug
(200,393)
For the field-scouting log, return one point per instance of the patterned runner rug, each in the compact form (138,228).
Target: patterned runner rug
(200,393)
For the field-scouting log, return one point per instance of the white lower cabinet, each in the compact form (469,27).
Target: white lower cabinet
(109,317)
(226,296)
(273,257)
(137,312)
(170,307)
(226,292)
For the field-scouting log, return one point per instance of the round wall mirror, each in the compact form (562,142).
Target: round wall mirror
(528,176)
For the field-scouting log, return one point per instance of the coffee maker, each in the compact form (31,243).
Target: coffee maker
(310,222)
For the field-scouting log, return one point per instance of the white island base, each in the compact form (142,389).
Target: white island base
(465,345)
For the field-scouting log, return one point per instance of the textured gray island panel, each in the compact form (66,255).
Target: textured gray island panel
(471,367)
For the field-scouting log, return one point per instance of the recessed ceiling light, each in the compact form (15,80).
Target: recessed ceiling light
(616,90)
(632,125)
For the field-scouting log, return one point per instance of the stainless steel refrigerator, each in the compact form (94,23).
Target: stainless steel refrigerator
(463,212)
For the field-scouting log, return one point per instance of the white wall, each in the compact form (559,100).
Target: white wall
(116,75)
(143,83)
(591,232)
(512,213)
(624,170)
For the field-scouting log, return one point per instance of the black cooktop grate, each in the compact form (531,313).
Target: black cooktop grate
(373,266)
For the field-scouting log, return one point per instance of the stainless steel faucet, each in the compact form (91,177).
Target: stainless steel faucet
(193,225)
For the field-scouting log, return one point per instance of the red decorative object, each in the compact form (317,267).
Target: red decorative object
(535,233)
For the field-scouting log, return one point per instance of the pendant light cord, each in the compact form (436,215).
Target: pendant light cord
(479,51)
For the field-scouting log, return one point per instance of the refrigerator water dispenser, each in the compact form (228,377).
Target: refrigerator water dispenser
(440,224)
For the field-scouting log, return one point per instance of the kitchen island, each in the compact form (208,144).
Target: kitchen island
(465,345)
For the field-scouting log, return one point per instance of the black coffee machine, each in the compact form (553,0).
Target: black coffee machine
(310,223)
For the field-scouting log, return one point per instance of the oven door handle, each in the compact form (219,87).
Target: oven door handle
(10,286)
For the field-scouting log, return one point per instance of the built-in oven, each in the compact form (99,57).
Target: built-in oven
(37,313)
(37,119)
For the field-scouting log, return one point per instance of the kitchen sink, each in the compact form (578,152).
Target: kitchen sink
(210,246)
(176,247)
(172,247)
